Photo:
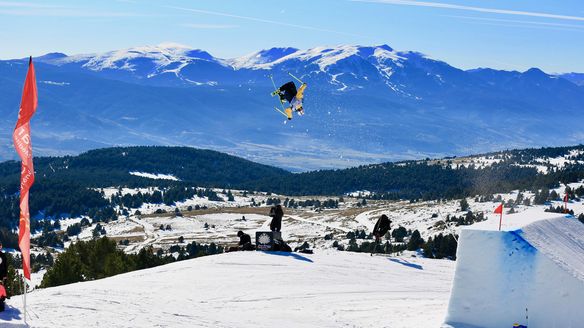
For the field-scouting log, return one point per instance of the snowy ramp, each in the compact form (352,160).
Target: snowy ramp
(530,273)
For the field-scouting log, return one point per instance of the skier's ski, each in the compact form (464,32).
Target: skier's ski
(297,79)
(281,112)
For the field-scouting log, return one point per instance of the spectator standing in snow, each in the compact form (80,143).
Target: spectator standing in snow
(276,212)
(382,226)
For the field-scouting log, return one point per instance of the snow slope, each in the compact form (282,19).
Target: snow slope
(252,289)
(534,267)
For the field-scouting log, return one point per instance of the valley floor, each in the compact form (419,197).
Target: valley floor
(252,289)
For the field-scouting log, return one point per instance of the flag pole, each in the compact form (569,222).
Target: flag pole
(23,146)
(499,210)
(24,302)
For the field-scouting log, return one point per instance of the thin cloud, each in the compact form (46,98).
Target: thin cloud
(35,9)
(25,5)
(520,23)
(525,26)
(476,9)
(65,13)
(261,20)
(209,26)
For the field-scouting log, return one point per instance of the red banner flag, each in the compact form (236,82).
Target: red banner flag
(499,209)
(22,143)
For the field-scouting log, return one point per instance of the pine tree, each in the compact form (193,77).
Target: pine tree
(415,241)
(464,205)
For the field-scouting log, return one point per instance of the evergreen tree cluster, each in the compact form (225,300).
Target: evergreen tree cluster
(100,258)
(9,238)
(13,283)
(313,203)
(466,219)
(359,234)
(75,229)
(48,239)
(400,233)
(440,247)
(369,246)
(66,186)
(41,261)
(559,209)
(169,196)
(273,201)
(178,194)
(415,242)
(421,180)
(194,250)
(98,231)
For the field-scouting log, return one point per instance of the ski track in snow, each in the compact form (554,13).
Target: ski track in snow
(368,219)
(151,236)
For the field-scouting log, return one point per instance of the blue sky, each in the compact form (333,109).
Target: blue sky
(507,34)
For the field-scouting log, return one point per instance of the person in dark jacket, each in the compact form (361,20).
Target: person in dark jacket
(382,226)
(277,213)
(244,241)
(3,266)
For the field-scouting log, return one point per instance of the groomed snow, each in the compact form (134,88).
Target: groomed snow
(253,289)
(511,222)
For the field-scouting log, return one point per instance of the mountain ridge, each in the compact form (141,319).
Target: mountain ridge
(363,105)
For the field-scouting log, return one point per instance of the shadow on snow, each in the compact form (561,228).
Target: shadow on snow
(289,254)
(11,314)
(408,264)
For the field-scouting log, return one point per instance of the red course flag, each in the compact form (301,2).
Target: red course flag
(566,198)
(499,209)
(22,143)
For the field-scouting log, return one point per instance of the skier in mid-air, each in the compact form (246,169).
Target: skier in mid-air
(295,97)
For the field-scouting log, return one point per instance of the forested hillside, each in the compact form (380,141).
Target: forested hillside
(69,186)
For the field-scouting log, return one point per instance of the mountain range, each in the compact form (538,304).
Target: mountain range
(363,105)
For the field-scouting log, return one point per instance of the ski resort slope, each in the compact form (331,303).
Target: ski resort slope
(252,289)
(530,273)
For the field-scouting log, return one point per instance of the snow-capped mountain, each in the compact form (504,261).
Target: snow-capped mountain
(576,78)
(164,64)
(363,104)
(264,57)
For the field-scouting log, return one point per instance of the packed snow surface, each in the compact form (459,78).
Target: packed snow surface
(531,273)
(253,289)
